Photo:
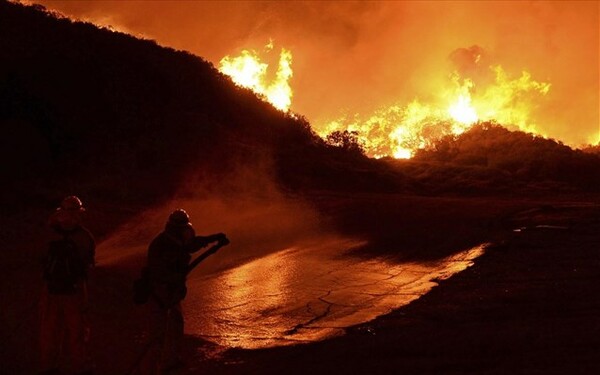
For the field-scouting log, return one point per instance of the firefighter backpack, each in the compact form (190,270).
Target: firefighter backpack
(63,267)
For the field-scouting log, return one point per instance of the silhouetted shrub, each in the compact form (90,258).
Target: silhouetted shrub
(346,140)
(524,157)
(592,149)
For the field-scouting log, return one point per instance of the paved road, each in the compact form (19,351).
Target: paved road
(306,293)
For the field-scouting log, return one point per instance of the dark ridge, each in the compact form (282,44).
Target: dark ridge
(107,115)
(490,157)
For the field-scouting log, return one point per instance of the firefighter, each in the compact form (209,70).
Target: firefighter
(169,256)
(64,328)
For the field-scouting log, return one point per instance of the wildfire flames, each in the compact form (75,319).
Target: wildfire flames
(401,129)
(249,71)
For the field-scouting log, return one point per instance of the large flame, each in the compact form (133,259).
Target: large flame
(400,130)
(249,71)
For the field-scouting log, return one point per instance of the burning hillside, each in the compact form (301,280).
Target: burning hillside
(400,130)
(379,67)
(249,71)
(473,92)
(109,104)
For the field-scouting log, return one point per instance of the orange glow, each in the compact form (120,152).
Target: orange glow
(249,71)
(400,130)
(308,293)
(462,111)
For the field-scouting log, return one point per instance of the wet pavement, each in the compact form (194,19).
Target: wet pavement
(306,293)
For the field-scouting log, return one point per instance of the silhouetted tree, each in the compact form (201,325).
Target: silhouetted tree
(346,140)
(592,149)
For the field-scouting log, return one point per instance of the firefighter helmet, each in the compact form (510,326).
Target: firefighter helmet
(71,203)
(179,218)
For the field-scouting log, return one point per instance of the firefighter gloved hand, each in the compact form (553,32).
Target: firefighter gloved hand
(199,242)
(223,240)
(220,238)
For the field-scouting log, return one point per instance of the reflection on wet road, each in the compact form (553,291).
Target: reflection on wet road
(306,293)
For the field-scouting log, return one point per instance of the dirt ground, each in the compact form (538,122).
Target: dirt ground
(529,305)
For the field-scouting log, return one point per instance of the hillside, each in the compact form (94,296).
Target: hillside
(78,103)
(490,159)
